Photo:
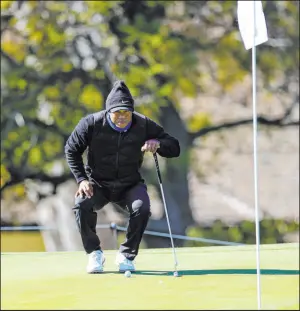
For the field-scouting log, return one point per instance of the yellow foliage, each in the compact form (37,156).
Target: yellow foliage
(52,92)
(73,86)
(18,153)
(198,121)
(56,6)
(54,36)
(12,136)
(101,6)
(5,4)
(269,60)
(22,84)
(229,41)
(137,76)
(187,87)
(14,193)
(19,190)
(166,90)
(5,176)
(135,92)
(99,74)
(229,71)
(32,25)
(52,145)
(91,97)
(151,111)
(15,49)
(35,156)
(67,67)
(26,145)
(17,83)
(36,37)
(156,41)
(34,4)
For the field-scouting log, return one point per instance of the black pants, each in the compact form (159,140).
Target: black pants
(137,203)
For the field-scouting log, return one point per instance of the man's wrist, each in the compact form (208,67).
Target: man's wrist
(80,180)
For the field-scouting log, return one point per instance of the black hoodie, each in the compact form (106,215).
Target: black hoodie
(119,98)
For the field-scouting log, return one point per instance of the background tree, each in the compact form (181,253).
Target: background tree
(59,60)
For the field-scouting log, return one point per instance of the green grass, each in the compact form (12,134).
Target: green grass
(211,278)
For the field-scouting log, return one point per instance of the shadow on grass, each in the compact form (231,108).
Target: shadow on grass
(219,271)
(213,271)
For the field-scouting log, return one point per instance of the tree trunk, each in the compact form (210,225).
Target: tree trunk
(175,184)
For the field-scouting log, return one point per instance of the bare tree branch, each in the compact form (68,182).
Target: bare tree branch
(48,127)
(279,122)
(19,177)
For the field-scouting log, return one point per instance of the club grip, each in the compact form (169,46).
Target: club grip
(157,167)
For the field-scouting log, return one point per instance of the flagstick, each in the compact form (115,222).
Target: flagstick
(255,161)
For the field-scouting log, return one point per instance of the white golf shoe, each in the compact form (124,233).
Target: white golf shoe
(124,263)
(96,261)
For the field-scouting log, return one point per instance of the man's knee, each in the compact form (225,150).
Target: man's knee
(141,207)
(83,204)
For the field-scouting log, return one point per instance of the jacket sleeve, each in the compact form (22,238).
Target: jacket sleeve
(75,146)
(169,145)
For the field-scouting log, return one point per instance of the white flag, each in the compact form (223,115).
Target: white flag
(245,12)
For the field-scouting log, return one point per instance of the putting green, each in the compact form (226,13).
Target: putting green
(219,277)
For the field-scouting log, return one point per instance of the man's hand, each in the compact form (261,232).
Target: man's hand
(85,189)
(151,145)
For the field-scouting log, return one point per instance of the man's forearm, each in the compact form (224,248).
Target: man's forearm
(169,146)
(76,166)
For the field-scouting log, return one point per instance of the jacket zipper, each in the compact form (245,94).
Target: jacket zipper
(117,161)
(117,158)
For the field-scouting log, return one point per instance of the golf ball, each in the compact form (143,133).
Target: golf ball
(128,274)
(175,274)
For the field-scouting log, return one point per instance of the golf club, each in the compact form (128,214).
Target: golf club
(166,211)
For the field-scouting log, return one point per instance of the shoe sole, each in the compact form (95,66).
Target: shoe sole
(95,272)
(99,271)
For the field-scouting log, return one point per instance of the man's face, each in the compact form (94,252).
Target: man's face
(121,118)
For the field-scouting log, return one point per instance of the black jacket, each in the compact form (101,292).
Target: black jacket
(113,158)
